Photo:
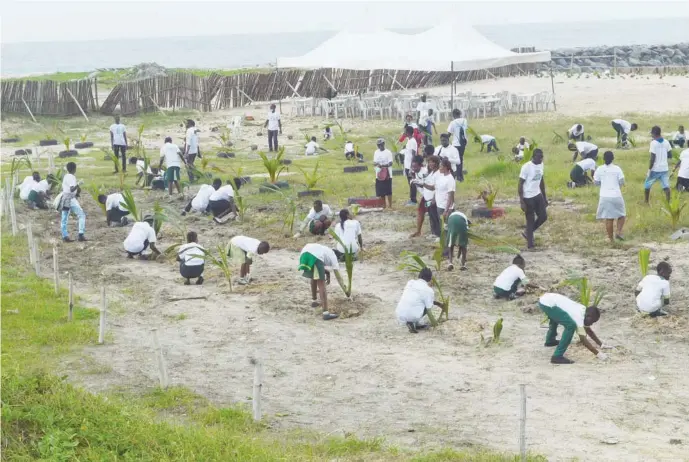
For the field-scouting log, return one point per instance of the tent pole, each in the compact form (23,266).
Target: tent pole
(452,86)
(552,85)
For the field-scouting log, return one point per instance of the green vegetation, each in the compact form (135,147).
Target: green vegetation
(349,263)
(644,259)
(273,165)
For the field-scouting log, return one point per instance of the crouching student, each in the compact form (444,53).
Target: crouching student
(349,232)
(457,236)
(654,291)
(115,213)
(487,141)
(518,150)
(140,166)
(242,248)
(221,204)
(192,259)
(201,201)
(34,191)
(510,283)
(313,261)
(579,176)
(622,129)
(576,133)
(141,237)
(351,153)
(574,317)
(318,220)
(417,298)
(584,149)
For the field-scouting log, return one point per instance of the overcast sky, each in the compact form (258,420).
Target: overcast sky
(30,21)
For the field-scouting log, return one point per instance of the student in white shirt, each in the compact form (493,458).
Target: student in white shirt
(351,152)
(445,188)
(532,195)
(318,219)
(25,186)
(382,161)
(140,166)
(578,174)
(311,147)
(192,259)
(427,125)
(518,150)
(328,134)
(313,261)
(584,149)
(242,250)
(348,231)
(487,141)
(417,298)
(172,157)
(274,125)
(683,174)
(653,292)
(457,236)
(69,203)
(622,129)
(446,151)
(509,284)
(611,204)
(191,147)
(34,191)
(458,128)
(679,137)
(574,317)
(576,133)
(115,213)
(425,180)
(422,110)
(201,201)
(221,203)
(659,168)
(118,141)
(410,150)
(141,237)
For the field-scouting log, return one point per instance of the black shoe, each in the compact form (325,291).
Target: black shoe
(329,316)
(199,281)
(187,282)
(657,313)
(81,238)
(67,239)
(183,213)
(554,343)
(412,328)
(560,360)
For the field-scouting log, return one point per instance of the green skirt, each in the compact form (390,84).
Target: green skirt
(311,267)
(457,231)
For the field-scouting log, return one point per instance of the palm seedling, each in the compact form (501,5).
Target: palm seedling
(528,152)
(113,158)
(221,261)
(585,291)
(673,208)
(82,137)
(56,179)
(488,193)
(644,259)
(412,263)
(313,177)
(129,204)
(225,138)
(341,129)
(96,191)
(159,217)
(67,142)
(18,163)
(557,138)
(497,330)
(349,263)
(273,165)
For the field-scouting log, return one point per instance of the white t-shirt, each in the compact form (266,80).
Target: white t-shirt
(114,200)
(574,130)
(326,211)
(411,149)
(584,147)
(383,157)
(202,198)
(610,178)
(41,186)
(352,230)
(430,179)
(273,121)
(660,150)
(444,184)
(170,152)
(191,254)
(587,164)
(118,131)
(140,164)
(416,297)
(509,276)
(677,136)
(349,147)
(141,231)
(423,108)
(425,121)
(450,153)
(68,182)
(324,254)
(247,244)
(532,175)
(575,310)
(223,193)
(487,138)
(311,148)
(653,290)
(684,164)
(455,128)
(26,187)
(192,140)
(626,126)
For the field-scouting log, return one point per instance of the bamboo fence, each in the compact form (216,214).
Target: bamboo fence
(48,98)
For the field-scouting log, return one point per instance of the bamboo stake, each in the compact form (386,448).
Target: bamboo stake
(13,217)
(103,307)
(162,368)
(29,237)
(3,204)
(522,422)
(258,385)
(30,113)
(78,105)
(36,257)
(56,278)
(71,297)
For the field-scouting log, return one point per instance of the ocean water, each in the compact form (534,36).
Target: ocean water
(233,51)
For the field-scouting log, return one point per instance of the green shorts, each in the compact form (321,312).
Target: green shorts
(457,231)
(316,272)
(33,197)
(238,256)
(172,174)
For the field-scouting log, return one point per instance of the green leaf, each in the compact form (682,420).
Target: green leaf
(644,259)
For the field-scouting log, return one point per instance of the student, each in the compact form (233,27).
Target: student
(679,137)
(140,165)
(328,134)
(351,153)
(584,149)
(318,219)
(487,141)
(274,125)
(221,204)
(141,237)
(445,151)
(118,142)
(458,128)
(410,150)
(623,128)
(578,174)
(425,180)
(201,201)
(532,195)
(417,134)
(428,151)
(115,213)
(69,203)
(27,185)
(312,147)
(417,298)
(574,317)
(242,249)
(192,260)
(408,121)
(34,191)
(445,188)
(658,169)
(191,147)
(611,205)
(313,261)
(518,150)
(576,133)
(172,157)
(382,161)
(683,174)
(507,284)
(349,232)
(428,127)
(653,292)
(457,235)
(421,110)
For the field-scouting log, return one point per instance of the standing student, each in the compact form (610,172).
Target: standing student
(422,110)
(584,149)
(576,133)
(445,151)
(318,219)
(382,161)
(141,237)
(458,128)
(115,213)
(425,180)
(509,284)
(428,127)
(487,141)
(172,157)
(242,250)
(417,134)
(457,236)
(201,201)
(221,204)
(313,261)
(658,169)
(578,174)
(410,150)
(349,232)
(653,292)
(611,205)
(679,137)
(274,125)
(417,298)
(192,260)
(623,129)
(445,188)
(532,195)
(118,142)
(683,174)
(69,203)
(191,147)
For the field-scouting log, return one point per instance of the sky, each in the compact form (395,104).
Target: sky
(41,21)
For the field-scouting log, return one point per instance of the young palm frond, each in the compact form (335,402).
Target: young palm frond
(221,261)
(585,290)
(273,165)
(159,217)
(497,330)
(349,263)
(488,193)
(129,204)
(113,158)
(17,164)
(473,134)
(644,259)
(528,152)
(67,142)
(673,208)
(557,138)
(312,178)
(96,191)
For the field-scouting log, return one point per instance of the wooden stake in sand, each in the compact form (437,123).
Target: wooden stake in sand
(13,216)
(56,278)
(258,385)
(162,369)
(522,422)
(71,298)
(36,257)
(78,105)
(103,307)
(29,238)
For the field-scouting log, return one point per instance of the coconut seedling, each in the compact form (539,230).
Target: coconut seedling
(674,207)
(312,178)
(349,264)
(585,290)
(528,152)
(67,142)
(159,217)
(113,158)
(273,165)
(497,330)
(488,193)
(644,259)
(557,138)
(129,204)
(220,260)
(96,191)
